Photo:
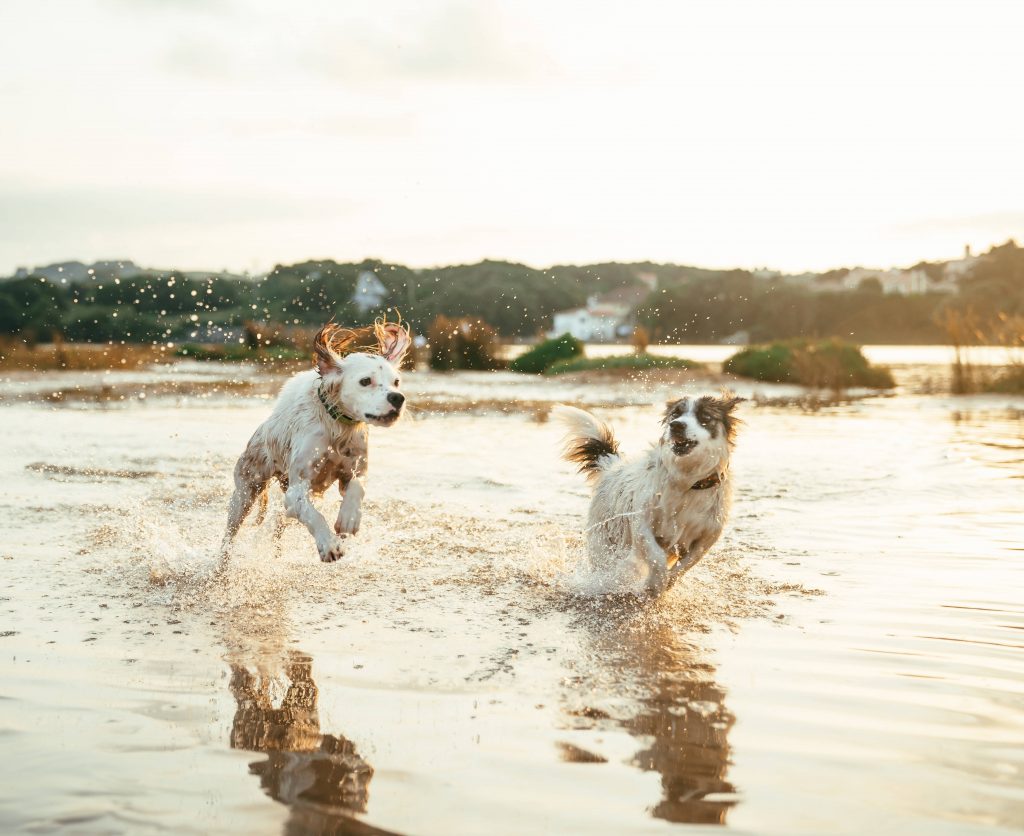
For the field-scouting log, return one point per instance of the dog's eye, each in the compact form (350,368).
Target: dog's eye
(365,381)
(396,383)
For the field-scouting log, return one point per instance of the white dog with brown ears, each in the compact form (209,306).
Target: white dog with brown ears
(317,433)
(659,513)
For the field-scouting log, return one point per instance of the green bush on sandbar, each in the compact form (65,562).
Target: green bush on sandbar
(626,362)
(547,353)
(827,364)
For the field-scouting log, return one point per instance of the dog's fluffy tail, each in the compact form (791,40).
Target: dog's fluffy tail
(589,443)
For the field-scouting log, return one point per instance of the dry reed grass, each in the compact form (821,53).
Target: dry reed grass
(16,355)
(966,330)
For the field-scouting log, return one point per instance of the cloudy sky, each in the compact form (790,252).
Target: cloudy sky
(241,133)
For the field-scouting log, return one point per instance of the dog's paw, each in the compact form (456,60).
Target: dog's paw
(348,522)
(332,550)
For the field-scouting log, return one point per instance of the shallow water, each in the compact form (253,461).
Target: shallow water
(847,659)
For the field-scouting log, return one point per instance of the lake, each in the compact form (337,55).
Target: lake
(849,658)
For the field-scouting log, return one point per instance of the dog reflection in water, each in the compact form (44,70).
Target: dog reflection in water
(304,768)
(687,727)
(679,712)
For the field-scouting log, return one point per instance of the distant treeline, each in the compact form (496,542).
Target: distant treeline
(690,304)
(739,305)
(711,308)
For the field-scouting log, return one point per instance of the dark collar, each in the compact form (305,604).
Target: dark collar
(707,482)
(333,410)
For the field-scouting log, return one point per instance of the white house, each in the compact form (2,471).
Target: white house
(370,292)
(594,323)
(961,267)
(607,317)
(903,282)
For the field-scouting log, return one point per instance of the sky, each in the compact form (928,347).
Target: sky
(237,134)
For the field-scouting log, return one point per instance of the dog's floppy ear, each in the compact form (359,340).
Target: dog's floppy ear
(726,404)
(670,407)
(728,401)
(324,357)
(394,339)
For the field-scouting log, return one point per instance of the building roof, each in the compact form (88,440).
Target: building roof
(616,311)
(618,302)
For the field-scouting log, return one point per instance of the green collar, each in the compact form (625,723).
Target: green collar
(333,410)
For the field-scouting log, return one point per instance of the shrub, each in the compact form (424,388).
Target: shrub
(547,353)
(630,362)
(771,363)
(462,344)
(829,364)
(640,339)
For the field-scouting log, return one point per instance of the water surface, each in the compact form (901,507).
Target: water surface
(847,659)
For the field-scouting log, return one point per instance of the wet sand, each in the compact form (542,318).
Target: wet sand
(847,659)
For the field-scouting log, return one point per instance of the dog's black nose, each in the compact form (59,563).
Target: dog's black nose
(396,399)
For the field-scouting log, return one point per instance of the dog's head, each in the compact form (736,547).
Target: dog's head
(701,430)
(364,384)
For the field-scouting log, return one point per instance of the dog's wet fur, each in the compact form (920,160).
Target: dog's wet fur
(306,449)
(662,511)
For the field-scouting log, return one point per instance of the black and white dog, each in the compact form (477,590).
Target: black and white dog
(664,510)
(317,433)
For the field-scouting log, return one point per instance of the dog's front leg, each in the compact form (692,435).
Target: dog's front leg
(350,514)
(297,504)
(308,460)
(652,554)
(692,556)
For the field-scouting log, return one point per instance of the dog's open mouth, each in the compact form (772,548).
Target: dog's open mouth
(384,420)
(682,446)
